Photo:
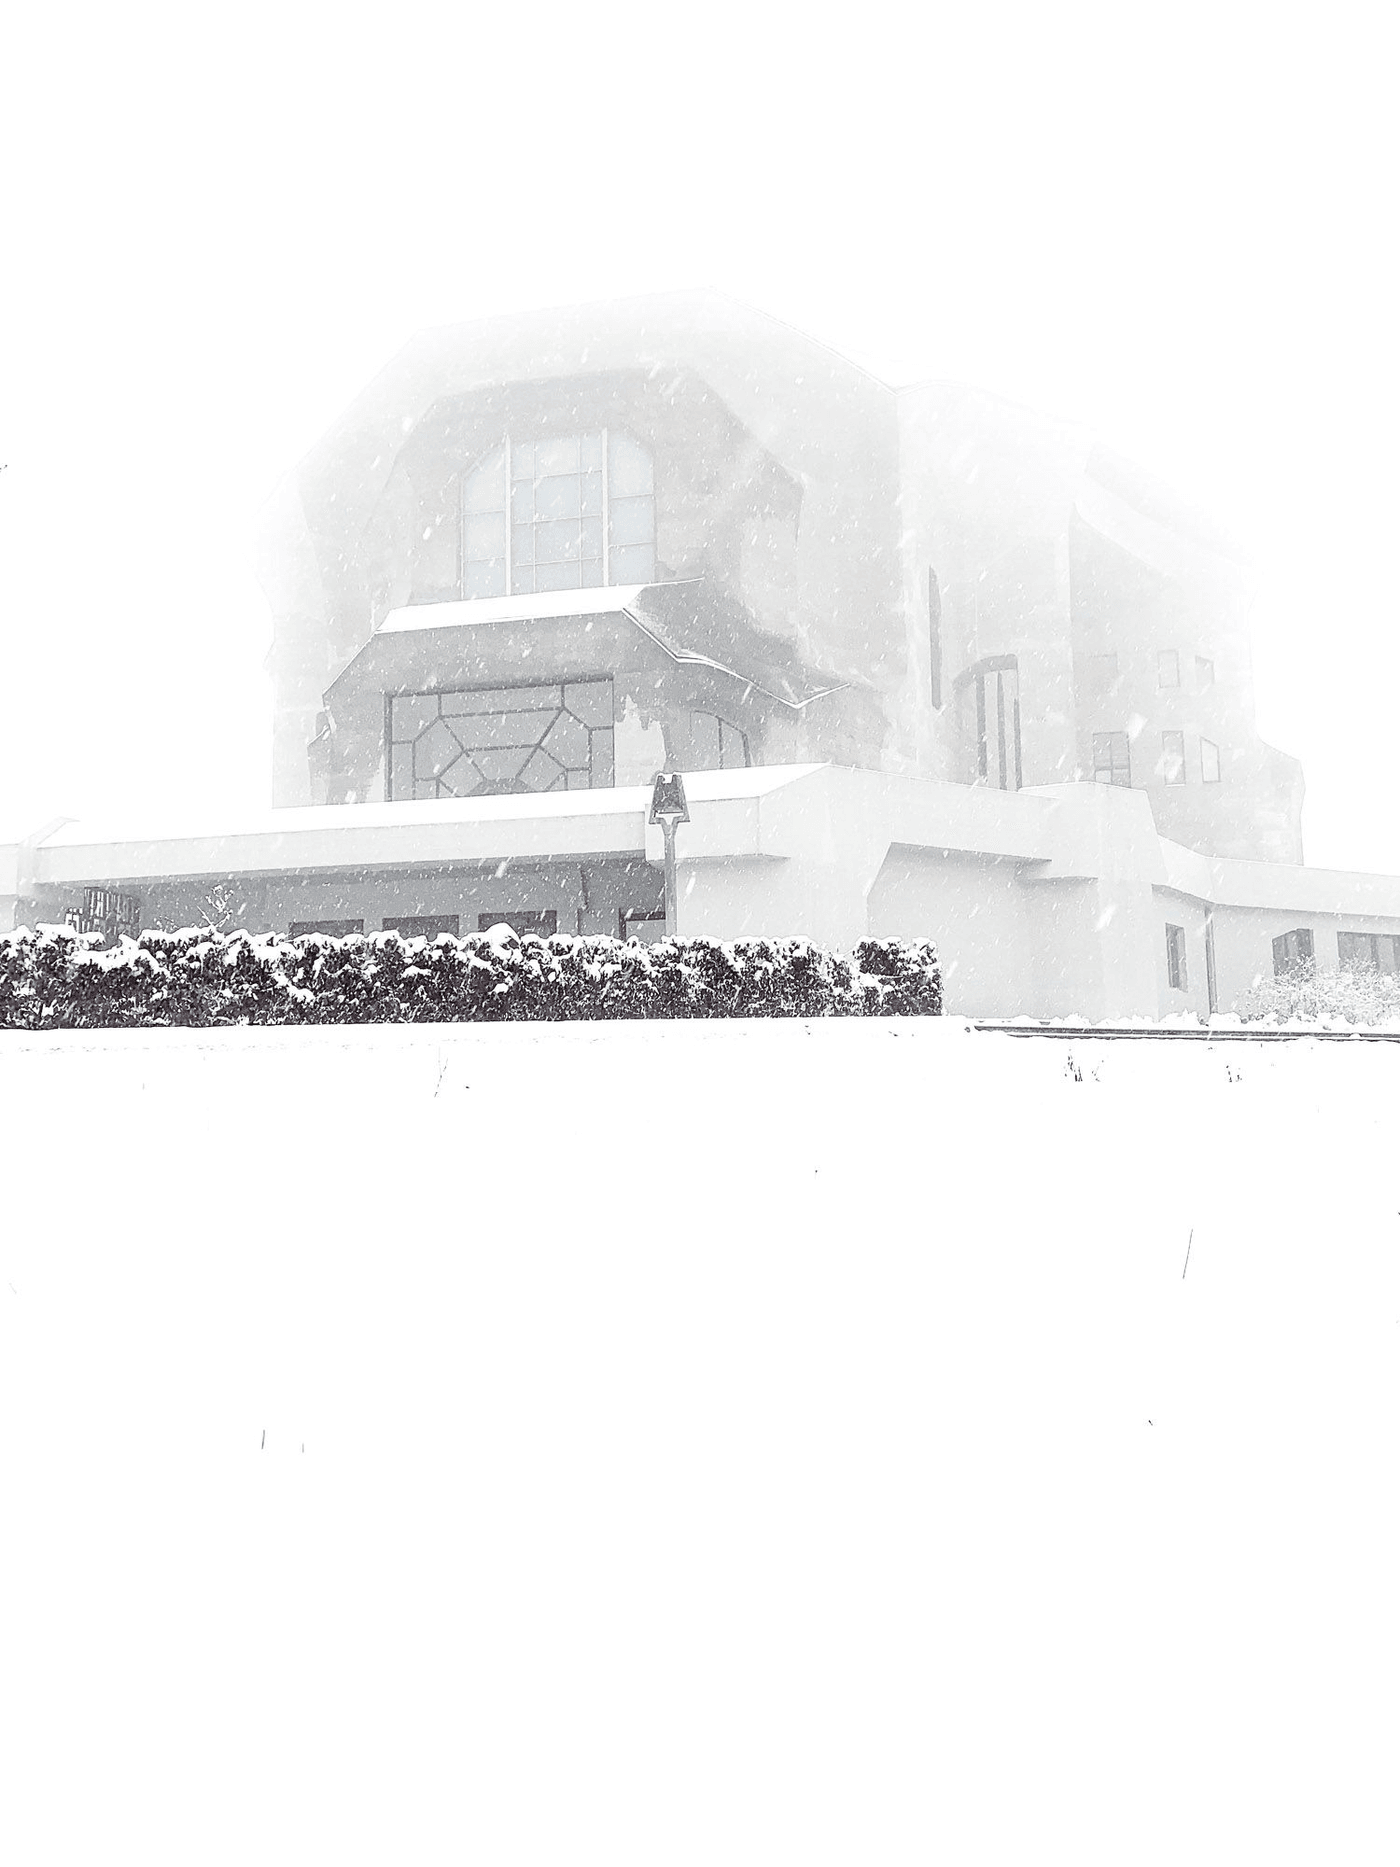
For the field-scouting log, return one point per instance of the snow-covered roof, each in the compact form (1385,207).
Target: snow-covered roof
(550,825)
(547,606)
(672,615)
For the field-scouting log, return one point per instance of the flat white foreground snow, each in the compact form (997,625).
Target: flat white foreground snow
(659,1445)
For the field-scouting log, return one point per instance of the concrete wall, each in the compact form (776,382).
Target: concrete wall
(976,912)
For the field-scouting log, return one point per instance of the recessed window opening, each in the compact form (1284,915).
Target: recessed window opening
(1111,759)
(990,705)
(1205,672)
(570,513)
(1173,766)
(1210,762)
(1176,958)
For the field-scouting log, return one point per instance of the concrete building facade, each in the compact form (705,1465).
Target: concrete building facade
(932,665)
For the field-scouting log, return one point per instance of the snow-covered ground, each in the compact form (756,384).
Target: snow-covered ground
(698,1444)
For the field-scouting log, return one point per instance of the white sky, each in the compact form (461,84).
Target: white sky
(215,226)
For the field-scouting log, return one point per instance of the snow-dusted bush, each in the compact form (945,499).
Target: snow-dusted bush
(56,979)
(1303,995)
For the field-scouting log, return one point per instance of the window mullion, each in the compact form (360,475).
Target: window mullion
(607,517)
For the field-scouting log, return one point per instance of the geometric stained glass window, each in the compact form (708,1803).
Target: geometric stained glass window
(500,741)
(571,513)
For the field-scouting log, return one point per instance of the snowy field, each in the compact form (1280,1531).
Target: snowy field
(675,1445)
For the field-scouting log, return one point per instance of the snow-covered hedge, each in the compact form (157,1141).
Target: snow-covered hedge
(56,979)
(1303,995)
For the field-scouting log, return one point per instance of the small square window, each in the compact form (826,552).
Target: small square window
(1210,762)
(1168,668)
(1173,766)
(1205,672)
(1176,958)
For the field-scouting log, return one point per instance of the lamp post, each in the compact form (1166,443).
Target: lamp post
(668,808)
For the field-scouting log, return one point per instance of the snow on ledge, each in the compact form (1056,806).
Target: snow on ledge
(547,606)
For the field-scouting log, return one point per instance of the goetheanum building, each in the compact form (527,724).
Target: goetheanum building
(933,665)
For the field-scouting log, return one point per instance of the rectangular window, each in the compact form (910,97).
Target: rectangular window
(1212,990)
(335,930)
(1173,767)
(1168,668)
(1176,958)
(1205,672)
(1293,951)
(1368,952)
(500,741)
(541,921)
(422,926)
(1111,759)
(1210,762)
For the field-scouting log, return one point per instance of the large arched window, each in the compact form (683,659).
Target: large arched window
(564,514)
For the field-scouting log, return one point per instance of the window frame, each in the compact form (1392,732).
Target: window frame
(506,447)
(1124,783)
(1211,746)
(607,759)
